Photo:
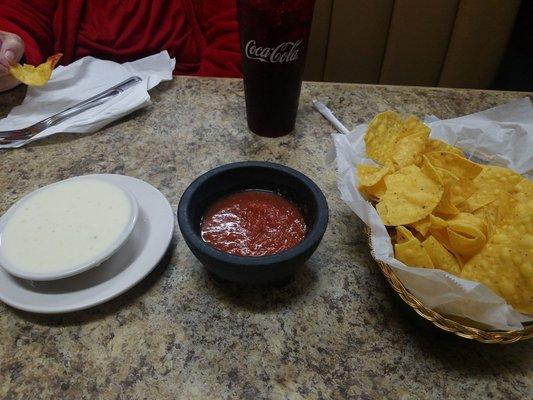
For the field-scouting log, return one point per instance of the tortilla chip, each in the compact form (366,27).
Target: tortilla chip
(439,145)
(410,196)
(440,257)
(381,136)
(412,254)
(421,226)
(505,264)
(35,76)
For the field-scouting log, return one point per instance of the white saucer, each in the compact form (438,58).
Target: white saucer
(129,265)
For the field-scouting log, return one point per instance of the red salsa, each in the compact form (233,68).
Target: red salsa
(253,223)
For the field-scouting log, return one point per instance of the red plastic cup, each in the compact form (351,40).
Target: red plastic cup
(273,36)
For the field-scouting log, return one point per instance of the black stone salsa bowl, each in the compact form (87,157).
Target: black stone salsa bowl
(230,178)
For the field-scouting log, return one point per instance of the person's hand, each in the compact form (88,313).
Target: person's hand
(11,51)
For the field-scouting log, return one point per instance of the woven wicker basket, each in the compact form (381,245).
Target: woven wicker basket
(447,324)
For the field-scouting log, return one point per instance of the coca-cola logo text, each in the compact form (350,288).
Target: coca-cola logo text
(282,53)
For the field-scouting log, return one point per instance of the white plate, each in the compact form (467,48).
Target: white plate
(129,265)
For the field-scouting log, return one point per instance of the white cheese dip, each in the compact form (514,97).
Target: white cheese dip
(65,225)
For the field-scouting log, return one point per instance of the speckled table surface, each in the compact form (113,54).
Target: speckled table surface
(336,331)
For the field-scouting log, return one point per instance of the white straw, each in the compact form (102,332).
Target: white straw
(326,112)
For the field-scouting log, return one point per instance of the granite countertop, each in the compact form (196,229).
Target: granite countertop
(336,331)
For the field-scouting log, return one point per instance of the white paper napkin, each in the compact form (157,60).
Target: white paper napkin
(505,134)
(81,80)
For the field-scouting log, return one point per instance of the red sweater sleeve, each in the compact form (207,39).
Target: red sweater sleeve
(32,21)
(218,22)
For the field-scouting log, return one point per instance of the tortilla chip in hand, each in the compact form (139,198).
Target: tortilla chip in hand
(35,76)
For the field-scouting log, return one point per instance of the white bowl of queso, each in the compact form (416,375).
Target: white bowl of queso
(65,228)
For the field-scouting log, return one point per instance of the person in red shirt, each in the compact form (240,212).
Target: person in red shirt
(201,34)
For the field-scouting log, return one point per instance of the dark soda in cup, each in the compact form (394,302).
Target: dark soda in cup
(273,36)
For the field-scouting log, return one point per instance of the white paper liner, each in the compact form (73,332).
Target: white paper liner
(502,135)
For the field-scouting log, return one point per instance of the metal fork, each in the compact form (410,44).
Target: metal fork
(21,136)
